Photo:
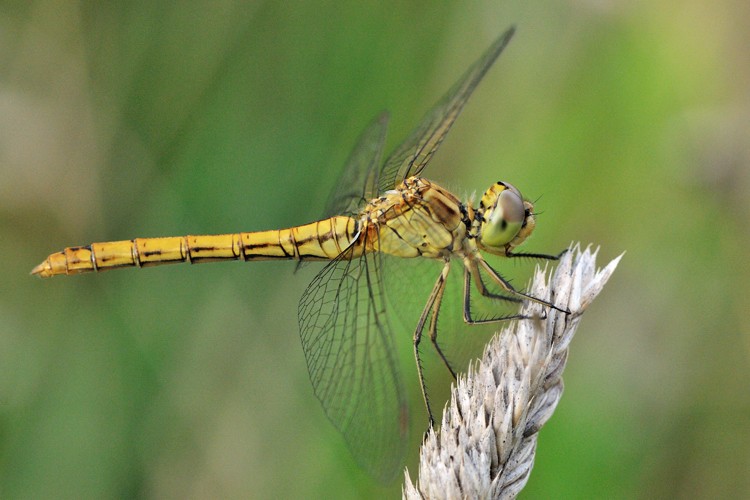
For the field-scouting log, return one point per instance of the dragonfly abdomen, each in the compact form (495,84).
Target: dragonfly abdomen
(321,240)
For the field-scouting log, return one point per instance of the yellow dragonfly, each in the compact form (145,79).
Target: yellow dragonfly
(377,213)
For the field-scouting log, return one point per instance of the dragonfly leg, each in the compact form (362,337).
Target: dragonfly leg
(433,304)
(433,320)
(483,290)
(477,276)
(543,256)
(508,288)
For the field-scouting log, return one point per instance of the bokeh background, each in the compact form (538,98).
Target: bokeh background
(629,121)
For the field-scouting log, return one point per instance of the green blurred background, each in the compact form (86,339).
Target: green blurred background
(630,120)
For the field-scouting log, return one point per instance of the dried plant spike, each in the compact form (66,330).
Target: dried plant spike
(487,439)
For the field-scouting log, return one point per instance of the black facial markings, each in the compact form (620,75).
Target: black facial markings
(464,216)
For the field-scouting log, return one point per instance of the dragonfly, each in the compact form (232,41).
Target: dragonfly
(379,211)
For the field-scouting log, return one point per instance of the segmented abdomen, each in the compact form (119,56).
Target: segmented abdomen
(321,240)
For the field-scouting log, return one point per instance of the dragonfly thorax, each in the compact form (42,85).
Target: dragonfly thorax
(417,219)
(503,220)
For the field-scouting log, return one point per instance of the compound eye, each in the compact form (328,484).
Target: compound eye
(505,220)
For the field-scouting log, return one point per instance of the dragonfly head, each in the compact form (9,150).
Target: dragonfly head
(505,219)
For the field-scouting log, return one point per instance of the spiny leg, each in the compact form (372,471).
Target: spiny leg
(483,290)
(433,320)
(508,288)
(437,291)
(543,256)
(469,270)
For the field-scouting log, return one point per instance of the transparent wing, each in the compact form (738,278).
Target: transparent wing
(411,157)
(408,283)
(356,184)
(352,361)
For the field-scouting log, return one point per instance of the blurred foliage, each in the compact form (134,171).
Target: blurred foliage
(628,121)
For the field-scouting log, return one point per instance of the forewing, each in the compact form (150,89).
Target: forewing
(352,361)
(411,157)
(356,184)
